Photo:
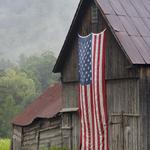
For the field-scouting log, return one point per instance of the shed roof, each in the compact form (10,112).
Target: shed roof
(45,106)
(129,21)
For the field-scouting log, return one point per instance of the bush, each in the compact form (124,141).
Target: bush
(4,144)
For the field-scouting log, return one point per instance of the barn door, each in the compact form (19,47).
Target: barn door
(123,132)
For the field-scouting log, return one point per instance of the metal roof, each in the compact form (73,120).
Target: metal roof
(130,23)
(45,106)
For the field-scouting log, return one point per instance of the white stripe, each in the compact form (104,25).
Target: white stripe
(85,115)
(101,93)
(95,90)
(98,65)
(93,73)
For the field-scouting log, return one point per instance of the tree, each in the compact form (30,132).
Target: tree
(39,68)
(16,91)
(19,85)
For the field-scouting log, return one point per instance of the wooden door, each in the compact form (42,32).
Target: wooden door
(123,132)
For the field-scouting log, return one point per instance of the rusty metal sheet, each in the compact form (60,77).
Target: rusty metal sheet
(142,47)
(130,10)
(105,6)
(45,106)
(117,7)
(128,25)
(140,8)
(115,22)
(129,48)
(141,27)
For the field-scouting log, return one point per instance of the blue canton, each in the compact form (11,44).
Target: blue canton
(85,59)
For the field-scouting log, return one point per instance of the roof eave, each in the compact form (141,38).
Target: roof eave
(57,67)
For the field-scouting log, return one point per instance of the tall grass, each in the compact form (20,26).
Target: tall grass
(4,144)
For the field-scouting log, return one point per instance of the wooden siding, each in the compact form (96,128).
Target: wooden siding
(145,107)
(70,95)
(30,137)
(50,133)
(43,133)
(17,138)
(124,116)
(70,130)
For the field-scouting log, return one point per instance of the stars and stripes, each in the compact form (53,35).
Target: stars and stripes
(92,94)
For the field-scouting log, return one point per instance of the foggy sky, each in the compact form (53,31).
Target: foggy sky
(33,26)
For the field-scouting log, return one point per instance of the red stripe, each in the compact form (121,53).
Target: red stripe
(97,99)
(93,91)
(98,90)
(104,86)
(86,104)
(92,109)
(84,115)
(82,119)
(79,104)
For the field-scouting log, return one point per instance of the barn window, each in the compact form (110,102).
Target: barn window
(94,14)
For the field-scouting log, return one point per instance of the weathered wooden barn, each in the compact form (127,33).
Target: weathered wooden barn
(127,73)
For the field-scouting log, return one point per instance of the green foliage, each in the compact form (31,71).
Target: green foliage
(4,144)
(16,91)
(20,85)
(39,68)
(17,84)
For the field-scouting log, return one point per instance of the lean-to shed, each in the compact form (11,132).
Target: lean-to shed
(127,68)
(39,126)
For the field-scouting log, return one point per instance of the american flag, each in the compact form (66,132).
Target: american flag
(92,93)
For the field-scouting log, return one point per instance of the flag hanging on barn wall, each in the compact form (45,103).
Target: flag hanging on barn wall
(92,92)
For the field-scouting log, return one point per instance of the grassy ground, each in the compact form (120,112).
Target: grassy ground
(4,144)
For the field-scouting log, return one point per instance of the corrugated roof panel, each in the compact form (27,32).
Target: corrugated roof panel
(130,10)
(115,23)
(147,22)
(117,7)
(45,106)
(142,47)
(140,8)
(141,27)
(130,48)
(128,25)
(105,5)
(146,3)
(147,41)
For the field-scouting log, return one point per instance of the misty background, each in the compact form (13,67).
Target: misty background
(32,33)
(33,26)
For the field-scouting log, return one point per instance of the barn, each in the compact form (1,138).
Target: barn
(127,74)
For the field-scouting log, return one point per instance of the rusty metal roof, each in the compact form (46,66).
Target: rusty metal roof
(130,23)
(45,106)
